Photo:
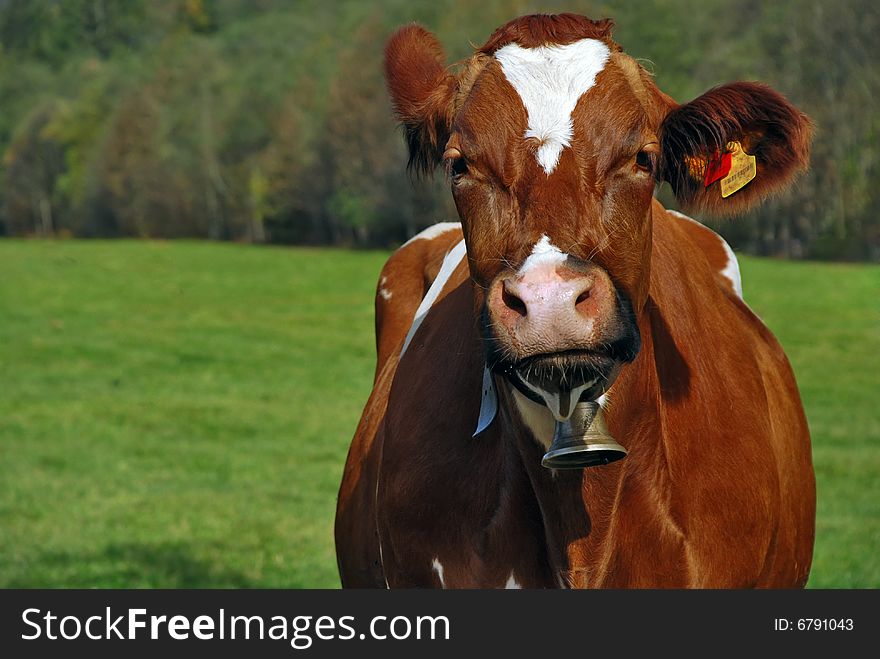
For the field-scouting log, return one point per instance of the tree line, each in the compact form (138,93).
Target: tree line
(268,121)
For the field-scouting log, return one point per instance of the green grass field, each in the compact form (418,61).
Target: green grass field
(177,414)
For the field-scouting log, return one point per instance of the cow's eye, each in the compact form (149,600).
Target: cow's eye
(644,161)
(456,165)
(457,168)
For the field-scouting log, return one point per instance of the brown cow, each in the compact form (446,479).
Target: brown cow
(578,286)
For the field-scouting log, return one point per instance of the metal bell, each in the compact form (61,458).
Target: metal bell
(582,440)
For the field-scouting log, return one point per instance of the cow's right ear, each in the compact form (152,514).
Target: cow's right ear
(422,92)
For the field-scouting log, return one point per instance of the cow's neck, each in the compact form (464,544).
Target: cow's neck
(577,505)
(566,520)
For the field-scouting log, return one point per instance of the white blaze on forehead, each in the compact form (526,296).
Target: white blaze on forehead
(543,252)
(550,80)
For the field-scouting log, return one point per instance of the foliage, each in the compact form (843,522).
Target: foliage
(268,120)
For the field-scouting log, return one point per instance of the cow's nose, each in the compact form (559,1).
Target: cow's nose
(551,307)
(543,294)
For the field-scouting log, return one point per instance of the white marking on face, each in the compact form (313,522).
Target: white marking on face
(543,252)
(550,80)
(512,583)
(450,263)
(433,231)
(438,570)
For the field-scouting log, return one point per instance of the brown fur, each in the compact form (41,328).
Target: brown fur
(422,90)
(718,487)
(761,119)
(542,29)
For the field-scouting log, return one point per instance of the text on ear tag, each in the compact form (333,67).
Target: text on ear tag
(743,168)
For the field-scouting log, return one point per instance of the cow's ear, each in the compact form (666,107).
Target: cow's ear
(422,92)
(740,116)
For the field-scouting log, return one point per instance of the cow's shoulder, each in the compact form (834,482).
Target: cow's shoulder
(718,253)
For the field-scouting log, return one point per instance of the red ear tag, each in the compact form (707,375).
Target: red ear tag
(718,168)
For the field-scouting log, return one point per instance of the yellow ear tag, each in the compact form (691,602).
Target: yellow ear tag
(742,170)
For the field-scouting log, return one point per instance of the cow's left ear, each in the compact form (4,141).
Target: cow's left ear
(742,116)
(422,92)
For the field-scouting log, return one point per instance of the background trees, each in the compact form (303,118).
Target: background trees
(268,120)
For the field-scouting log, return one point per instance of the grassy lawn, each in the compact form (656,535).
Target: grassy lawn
(177,414)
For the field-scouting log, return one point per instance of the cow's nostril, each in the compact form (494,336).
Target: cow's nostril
(582,297)
(511,301)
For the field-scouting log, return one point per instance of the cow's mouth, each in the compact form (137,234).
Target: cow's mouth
(560,380)
(571,369)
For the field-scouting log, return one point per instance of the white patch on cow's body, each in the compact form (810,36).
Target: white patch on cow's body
(379,534)
(438,569)
(536,417)
(550,80)
(512,583)
(731,270)
(543,252)
(433,231)
(539,419)
(450,263)
(384,292)
(382,558)
(488,403)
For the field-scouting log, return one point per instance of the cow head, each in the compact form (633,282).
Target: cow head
(554,141)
